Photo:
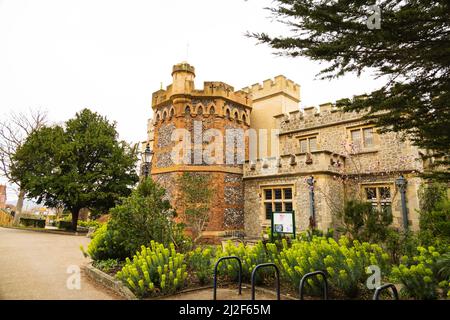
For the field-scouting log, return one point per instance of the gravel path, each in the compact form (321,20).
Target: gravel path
(34,265)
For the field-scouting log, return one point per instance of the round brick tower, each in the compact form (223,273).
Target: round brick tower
(206,119)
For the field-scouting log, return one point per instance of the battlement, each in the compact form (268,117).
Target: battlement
(269,87)
(210,88)
(310,117)
(183,67)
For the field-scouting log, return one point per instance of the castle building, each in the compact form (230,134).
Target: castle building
(308,161)
(2,196)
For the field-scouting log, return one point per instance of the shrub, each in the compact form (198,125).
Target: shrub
(104,245)
(143,217)
(435,223)
(201,261)
(400,243)
(344,262)
(250,255)
(154,270)
(65,225)
(364,222)
(419,274)
(108,266)
(32,222)
(89,224)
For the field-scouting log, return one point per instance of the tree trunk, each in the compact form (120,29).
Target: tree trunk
(19,206)
(75,214)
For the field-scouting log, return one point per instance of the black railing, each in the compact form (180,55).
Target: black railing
(313,274)
(215,274)
(264,265)
(385,287)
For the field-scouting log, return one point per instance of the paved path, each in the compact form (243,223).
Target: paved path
(224,294)
(33,265)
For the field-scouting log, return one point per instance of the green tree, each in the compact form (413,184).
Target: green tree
(195,199)
(410,47)
(79,165)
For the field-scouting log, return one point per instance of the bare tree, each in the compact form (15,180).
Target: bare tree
(14,129)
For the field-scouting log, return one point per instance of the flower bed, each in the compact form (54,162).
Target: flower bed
(157,270)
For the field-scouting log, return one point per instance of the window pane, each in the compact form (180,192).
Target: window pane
(288,193)
(371,194)
(386,207)
(385,193)
(288,206)
(268,210)
(278,206)
(356,137)
(368,137)
(277,193)
(268,194)
(304,145)
(312,144)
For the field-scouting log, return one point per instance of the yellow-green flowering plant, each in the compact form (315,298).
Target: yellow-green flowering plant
(201,262)
(419,275)
(250,255)
(155,269)
(344,262)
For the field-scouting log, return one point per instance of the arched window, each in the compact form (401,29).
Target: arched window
(200,110)
(236,116)
(244,118)
(172,113)
(187,111)
(158,118)
(164,116)
(228,114)
(212,110)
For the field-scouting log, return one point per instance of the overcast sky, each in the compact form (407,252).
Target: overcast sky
(109,56)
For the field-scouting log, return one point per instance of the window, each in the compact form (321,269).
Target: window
(363,137)
(379,196)
(356,137)
(277,199)
(308,144)
(368,137)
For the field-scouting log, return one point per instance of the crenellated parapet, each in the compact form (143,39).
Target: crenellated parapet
(321,161)
(216,99)
(280,84)
(326,114)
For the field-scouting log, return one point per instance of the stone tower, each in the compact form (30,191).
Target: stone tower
(200,118)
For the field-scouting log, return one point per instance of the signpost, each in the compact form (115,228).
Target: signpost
(283,223)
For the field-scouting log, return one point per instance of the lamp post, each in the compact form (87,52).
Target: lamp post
(312,214)
(401,185)
(147,158)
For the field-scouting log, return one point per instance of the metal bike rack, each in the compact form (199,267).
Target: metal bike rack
(215,274)
(312,274)
(384,287)
(264,265)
